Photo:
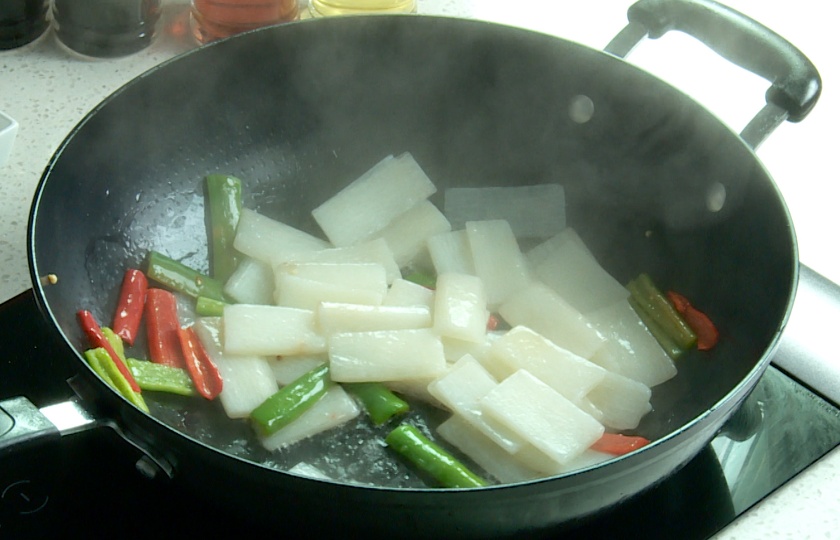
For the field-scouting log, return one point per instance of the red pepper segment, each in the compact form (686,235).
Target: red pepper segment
(97,339)
(129,310)
(204,373)
(162,328)
(707,332)
(617,444)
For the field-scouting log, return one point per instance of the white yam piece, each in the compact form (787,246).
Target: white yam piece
(334,317)
(569,268)
(460,307)
(533,211)
(368,204)
(373,251)
(266,239)
(497,259)
(305,285)
(251,283)
(450,252)
(287,369)
(545,312)
(622,401)
(571,375)
(461,390)
(390,355)
(333,409)
(542,416)
(247,380)
(484,452)
(630,349)
(270,330)
(407,293)
(538,461)
(406,235)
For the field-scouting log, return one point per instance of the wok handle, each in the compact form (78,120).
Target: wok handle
(795,82)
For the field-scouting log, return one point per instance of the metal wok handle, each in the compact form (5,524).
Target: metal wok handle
(795,82)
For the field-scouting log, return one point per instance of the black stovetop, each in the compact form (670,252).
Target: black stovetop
(88,482)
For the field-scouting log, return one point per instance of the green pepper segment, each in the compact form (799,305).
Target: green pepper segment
(380,403)
(292,400)
(429,457)
(659,309)
(423,279)
(161,377)
(209,307)
(224,201)
(668,345)
(181,278)
(102,364)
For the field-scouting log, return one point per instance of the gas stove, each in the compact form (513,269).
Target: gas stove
(88,482)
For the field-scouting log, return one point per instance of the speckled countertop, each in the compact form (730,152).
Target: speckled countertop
(48,90)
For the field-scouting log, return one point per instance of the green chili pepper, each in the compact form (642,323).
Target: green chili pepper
(381,404)
(422,279)
(180,277)
(224,202)
(659,308)
(668,345)
(209,307)
(161,377)
(101,362)
(431,458)
(292,400)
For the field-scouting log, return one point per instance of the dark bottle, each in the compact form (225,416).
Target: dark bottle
(106,28)
(22,21)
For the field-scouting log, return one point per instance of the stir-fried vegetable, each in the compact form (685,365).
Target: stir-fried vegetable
(224,202)
(161,378)
(97,340)
(380,403)
(657,307)
(103,364)
(431,458)
(203,372)
(162,328)
(180,277)
(291,401)
(129,310)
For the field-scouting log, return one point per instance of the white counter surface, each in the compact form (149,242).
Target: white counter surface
(48,90)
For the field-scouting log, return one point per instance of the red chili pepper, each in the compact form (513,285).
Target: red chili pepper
(162,327)
(617,444)
(707,333)
(202,370)
(96,339)
(492,322)
(129,310)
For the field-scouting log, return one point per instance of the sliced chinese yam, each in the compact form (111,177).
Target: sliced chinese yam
(630,349)
(461,390)
(334,317)
(407,293)
(373,251)
(484,452)
(251,283)
(564,371)
(305,285)
(368,204)
(266,239)
(568,267)
(497,259)
(333,409)
(270,330)
(460,307)
(450,252)
(533,211)
(542,416)
(248,379)
(622,401)
(545,312)
(287,369)
(388,355)
(538,461)
(406,235)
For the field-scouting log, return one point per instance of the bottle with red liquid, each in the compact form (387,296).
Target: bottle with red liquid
(22,21)
(216,19)
(106,28)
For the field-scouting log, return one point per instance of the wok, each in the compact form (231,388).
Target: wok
(300,110)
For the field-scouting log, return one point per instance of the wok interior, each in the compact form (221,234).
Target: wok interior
(299,111)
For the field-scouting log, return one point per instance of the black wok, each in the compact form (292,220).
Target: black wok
(300,110)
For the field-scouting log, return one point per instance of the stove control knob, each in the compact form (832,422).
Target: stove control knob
(24,497)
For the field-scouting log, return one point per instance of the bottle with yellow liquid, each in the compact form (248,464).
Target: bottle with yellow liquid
(326,8)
